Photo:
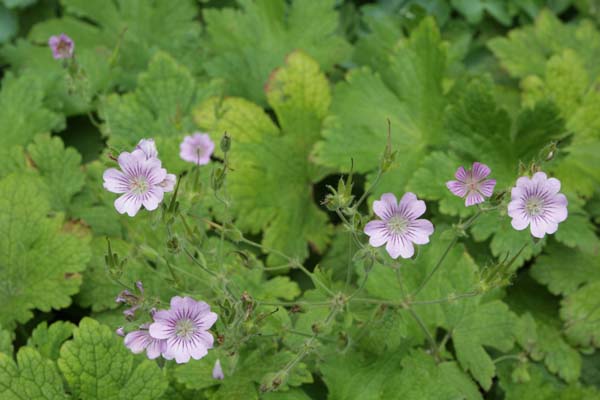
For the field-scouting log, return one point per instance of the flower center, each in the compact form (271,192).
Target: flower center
(63,47)
(184,328)
(534,206)
(139,185)
(397,224)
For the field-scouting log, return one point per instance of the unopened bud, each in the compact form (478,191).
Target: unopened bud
(225,142)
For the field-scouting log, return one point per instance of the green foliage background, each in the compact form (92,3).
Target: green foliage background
(303,87)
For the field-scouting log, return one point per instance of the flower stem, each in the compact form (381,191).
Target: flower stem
(428,335)
(436,267)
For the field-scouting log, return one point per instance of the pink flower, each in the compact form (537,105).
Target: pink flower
(142,182)
(184,327)
(217,372)
(399,226)
(536,203)
(197,148)
(472,184)
(140,340)
(62,46)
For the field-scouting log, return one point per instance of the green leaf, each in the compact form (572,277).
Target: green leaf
(48,340)
(59,167)
(408,91)
(276,161)
(41,257)
(422,378)
(9,24)
(564,270)
(492,324)
(6,340)
(581,313)
(526,50)
(23,111)
(483,131)
(256,38)
(541,386)
(474,10)
(31,378)
(395,375)
(97,365)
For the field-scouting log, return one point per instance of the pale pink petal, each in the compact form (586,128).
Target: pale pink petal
(515,208)
(474,198)
(207,339)
(420,231)
(540,227)
(115,181)
(177,302)
(539,177)
(152,199)
(411,207)
(399,247)
(480,171)
(198,352)
(386,207)
(128,203)
(553,185)
(161,316)
(523,181)
(519,222)
(155,348)
(159,330)
(461,174)
(457,188)
(168,184)
(136,341)
(487,187)
(378,232)
(208,320)
(148,147)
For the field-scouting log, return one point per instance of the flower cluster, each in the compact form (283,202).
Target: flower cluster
(535,202)
(179,333)
(141,180)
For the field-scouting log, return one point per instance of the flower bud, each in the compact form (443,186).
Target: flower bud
(225,142)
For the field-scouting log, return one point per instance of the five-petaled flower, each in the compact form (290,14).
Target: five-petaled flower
(472,184)
(142,180)
(62,46)
(400,225)
(537,203)
(184,327)
(197,148)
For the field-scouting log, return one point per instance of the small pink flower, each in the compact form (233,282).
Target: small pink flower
(197,148)
(399,226)
(142,181)
(184,327)
(140,340)
(472,184)
(62,46)
(120,331)
(217,372)
(536,203)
